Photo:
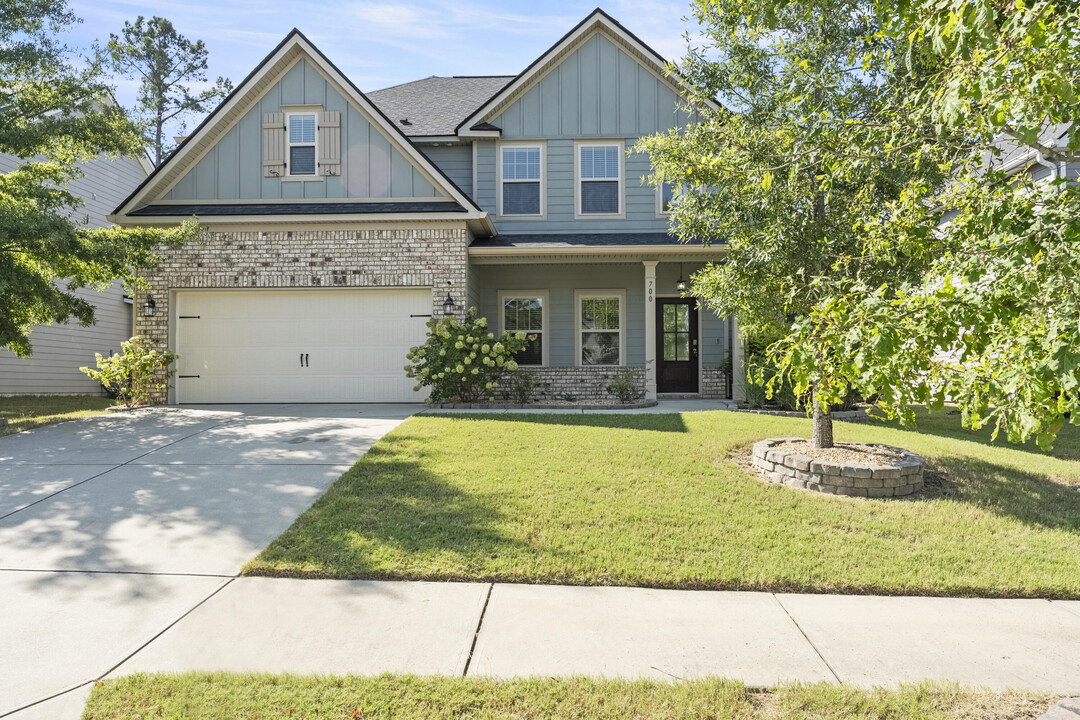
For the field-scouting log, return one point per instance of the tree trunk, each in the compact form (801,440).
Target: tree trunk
(822,432)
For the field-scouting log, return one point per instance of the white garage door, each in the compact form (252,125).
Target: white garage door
(252,346)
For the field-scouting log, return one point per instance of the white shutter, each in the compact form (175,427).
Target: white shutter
(330,143)
(273,144)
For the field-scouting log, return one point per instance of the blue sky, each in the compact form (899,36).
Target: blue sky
(380,43)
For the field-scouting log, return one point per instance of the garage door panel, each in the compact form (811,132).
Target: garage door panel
(246,345)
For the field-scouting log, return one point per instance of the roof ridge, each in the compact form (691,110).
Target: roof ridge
(402,84)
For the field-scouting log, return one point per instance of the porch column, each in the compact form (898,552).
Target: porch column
(650,328)
(738,372)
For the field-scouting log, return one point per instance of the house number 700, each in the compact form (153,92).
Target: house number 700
(650,297)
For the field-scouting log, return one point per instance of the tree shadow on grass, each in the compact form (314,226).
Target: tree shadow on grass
(946,424)
(655,422)
(1028,497)
(389,518)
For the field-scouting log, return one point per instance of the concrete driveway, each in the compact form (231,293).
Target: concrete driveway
(113,528)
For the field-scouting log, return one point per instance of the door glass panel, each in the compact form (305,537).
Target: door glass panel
(669,347)
(669,318)
(683,317)
(682,346)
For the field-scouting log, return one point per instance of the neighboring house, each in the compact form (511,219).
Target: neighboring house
(60,350)
(339,222)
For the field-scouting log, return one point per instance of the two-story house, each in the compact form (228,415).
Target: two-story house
(338,222)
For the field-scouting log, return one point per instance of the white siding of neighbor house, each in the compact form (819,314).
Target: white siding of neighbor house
(60,350)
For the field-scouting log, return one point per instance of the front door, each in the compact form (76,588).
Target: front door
(677,345)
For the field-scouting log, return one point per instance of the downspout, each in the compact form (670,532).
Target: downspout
(1047,164)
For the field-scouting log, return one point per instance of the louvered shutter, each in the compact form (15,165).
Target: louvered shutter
(330,143)
(273,144)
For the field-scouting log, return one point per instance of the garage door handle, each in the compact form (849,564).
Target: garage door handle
(305,360)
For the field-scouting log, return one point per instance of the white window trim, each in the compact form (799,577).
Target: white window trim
(578,295)
(544,318)
(660,211)
(542,215)
(621,145)
(289,145)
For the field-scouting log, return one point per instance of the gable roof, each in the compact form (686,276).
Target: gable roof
(248,91)
(435,105)
(597,20)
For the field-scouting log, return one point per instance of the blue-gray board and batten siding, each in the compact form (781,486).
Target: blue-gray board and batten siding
(560,281)
(371,167)
(598,91)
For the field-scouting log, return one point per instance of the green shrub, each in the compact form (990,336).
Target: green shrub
(462,361)
(132,375)
(524,386)
(624,386)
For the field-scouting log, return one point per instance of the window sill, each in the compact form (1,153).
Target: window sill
(303,178)
(600,216)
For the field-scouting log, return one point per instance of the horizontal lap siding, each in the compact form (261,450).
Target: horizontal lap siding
(455,161)
(562,280)
(60,350)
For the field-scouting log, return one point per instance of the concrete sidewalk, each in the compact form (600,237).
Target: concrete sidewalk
(499,630)
(479,629)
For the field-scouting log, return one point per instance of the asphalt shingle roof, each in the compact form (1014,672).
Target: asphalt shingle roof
(436,105)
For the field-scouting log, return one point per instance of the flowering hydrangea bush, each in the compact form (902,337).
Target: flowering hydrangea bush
(462,360)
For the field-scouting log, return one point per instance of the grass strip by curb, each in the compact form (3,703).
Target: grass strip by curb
(214,696)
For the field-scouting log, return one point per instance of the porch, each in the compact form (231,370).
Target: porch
(598,312)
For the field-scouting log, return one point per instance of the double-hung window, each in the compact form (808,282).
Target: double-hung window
(665,196)
(599,186)
(600,333)
(521,180)
(301,143)
(526,311)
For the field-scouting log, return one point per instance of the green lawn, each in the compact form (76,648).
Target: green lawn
(24,412)
(212,696)
(656,501)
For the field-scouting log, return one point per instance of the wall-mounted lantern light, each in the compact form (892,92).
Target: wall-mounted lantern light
(148,308)
(448,304)
(680,285)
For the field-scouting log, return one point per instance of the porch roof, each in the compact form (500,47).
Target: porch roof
(584,240)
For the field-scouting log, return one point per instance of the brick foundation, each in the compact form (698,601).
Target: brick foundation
(578,383)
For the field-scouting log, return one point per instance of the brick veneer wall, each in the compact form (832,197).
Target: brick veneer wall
(714,383)
(316,258)
(583,383)
(590,383)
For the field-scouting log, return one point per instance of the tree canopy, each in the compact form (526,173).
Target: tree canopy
(55,112)
(167,65)
(962,284)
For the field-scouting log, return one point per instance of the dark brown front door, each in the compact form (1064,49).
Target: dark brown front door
(677,345)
